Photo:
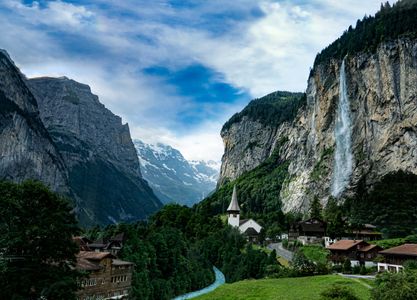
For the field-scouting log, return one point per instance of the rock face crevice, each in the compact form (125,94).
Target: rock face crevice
(382,89)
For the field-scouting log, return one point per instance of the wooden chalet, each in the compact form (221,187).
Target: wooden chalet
(395,257)
(366,232)
(359,252)
(108,277)
(112,245)
(309,231)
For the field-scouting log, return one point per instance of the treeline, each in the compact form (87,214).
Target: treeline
(174,252)
(389,23)
(271,110)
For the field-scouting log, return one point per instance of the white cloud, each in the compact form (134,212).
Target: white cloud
(259,55)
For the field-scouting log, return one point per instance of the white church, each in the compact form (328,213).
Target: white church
(248,227)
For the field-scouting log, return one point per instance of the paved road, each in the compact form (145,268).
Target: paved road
(371,277)
(284,253)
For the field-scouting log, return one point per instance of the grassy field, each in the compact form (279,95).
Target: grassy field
(308,288)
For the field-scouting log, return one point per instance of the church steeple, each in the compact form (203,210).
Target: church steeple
(233,210)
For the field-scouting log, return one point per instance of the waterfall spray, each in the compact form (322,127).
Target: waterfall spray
(343,159)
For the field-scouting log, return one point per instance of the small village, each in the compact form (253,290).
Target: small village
(111,278)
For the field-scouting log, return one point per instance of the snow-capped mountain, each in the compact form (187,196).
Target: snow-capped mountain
(172,177)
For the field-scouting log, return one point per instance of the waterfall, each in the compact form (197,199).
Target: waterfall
(343,159)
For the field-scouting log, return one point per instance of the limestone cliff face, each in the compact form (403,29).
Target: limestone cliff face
(26,149)
(103,166)
(247,144)
(249,137)
(382,90)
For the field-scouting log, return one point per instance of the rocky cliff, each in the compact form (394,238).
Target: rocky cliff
(382,89)
(103,166)
(249,137)
(26,149)
(359,116)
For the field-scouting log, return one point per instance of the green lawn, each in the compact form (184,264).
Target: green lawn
(308,288)
(316,253)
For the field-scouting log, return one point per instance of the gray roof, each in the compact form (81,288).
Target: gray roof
(234,206)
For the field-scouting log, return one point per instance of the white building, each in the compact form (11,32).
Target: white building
(249,226)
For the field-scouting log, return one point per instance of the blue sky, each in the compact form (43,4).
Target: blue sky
(176,70)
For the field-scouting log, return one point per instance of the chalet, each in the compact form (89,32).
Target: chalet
(367,232)
(112,245)
(310,231)
(394,258)
(359,252)
(108,277)
(249,227)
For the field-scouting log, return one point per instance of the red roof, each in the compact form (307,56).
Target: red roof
(405,249)
(369,247)
(344,244)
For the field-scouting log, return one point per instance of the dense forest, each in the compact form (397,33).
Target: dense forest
(389,23)
(271,110)
(391,204)
(174,252)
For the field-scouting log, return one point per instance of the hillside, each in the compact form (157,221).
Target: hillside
(172,177)
(302,288)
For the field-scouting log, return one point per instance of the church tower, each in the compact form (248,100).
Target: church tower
(233,210)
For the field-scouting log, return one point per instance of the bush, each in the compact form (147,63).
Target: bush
(398,286)
(285,243)
(338,292)
(347,267)
(337,268)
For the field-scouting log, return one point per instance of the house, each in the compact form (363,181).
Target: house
(359,252)
(310,231)
(249,227)
(395,257)
(112,245)
(108,277)
(366,232)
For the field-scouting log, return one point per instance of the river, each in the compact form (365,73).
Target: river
(217,282)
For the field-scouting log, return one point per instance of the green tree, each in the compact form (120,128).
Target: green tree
(347,266)
(36,229)
(316,209)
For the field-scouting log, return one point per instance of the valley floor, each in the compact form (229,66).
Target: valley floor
(308,288)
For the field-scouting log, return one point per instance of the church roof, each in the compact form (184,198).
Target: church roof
(234,206)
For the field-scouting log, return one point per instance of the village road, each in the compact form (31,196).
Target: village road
(284,253)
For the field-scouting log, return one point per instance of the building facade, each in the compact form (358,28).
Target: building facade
(107,277)
(359,252)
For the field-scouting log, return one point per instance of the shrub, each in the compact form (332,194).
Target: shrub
(398,286)
(347,267)
(338,292)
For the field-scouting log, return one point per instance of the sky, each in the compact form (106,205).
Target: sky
(175,70)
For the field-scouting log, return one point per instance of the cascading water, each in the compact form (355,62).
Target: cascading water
(343,159)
